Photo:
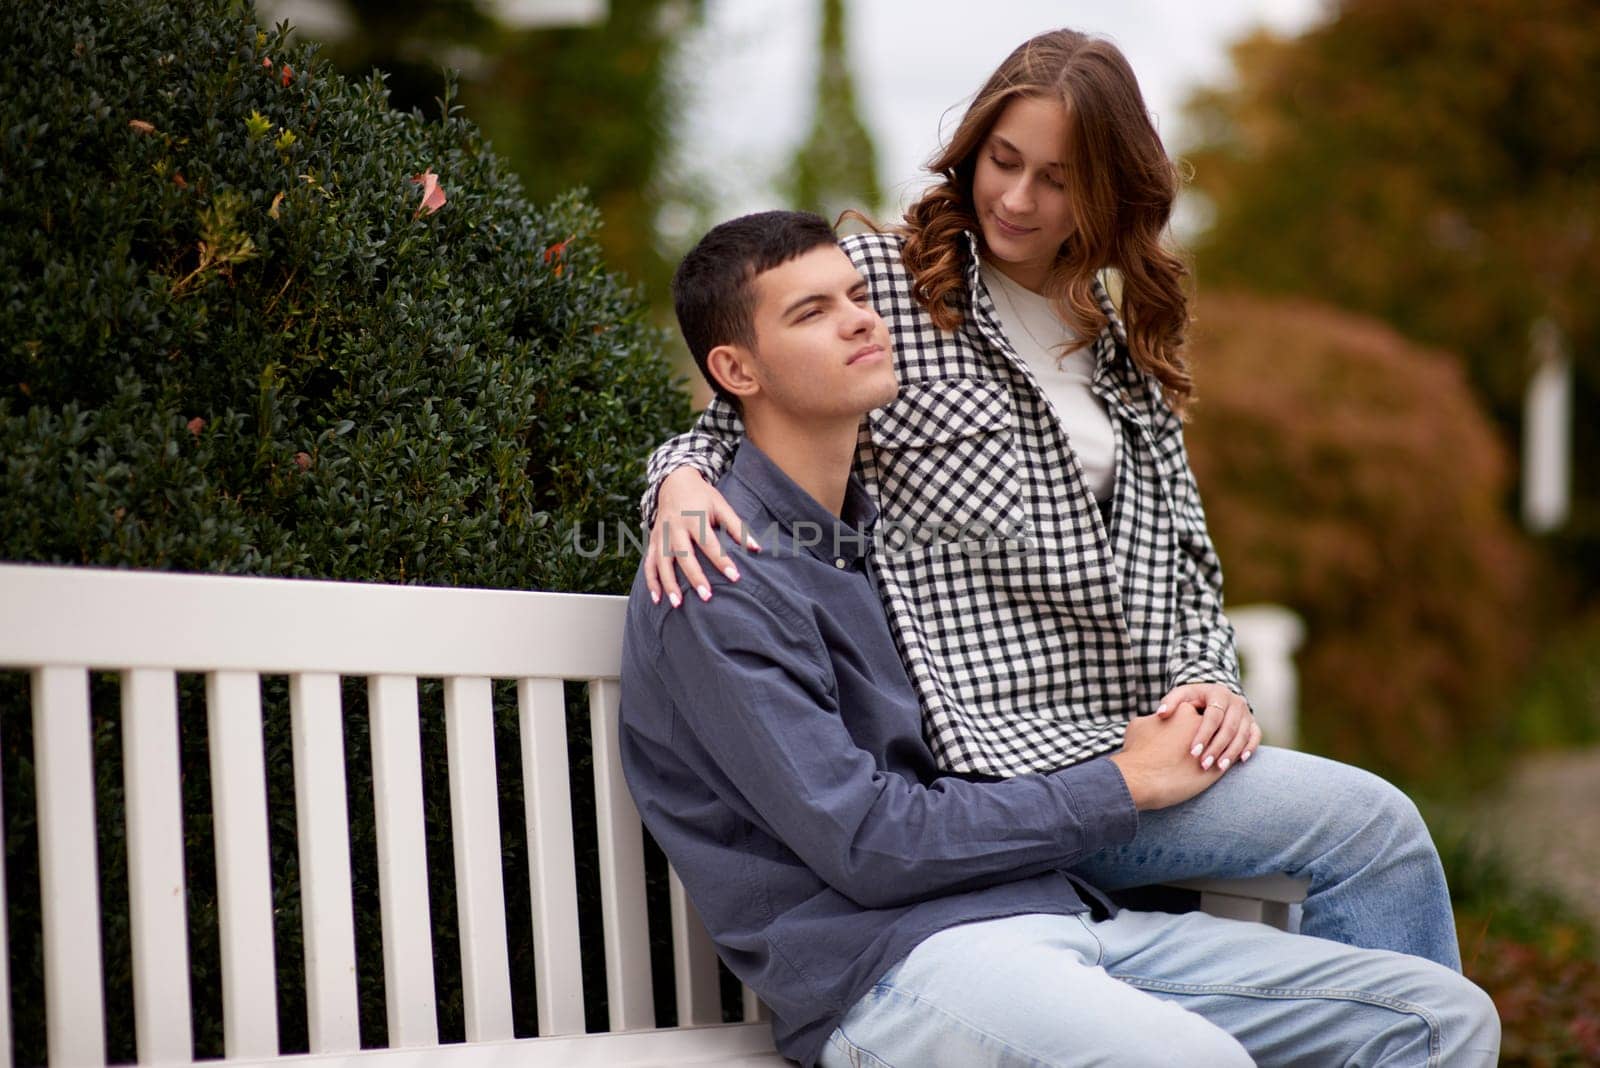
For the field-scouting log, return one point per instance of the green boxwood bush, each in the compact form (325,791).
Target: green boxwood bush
(1351,475)
(233,340)
(238,335)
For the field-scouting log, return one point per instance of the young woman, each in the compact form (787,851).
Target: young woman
(1042,553)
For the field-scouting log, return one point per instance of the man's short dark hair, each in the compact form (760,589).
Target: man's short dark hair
(713,292)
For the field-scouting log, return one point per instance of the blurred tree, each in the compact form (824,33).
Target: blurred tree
(1354,477)
(592,106)
(1438,170)
(405,39)
(586,106)
(837,165)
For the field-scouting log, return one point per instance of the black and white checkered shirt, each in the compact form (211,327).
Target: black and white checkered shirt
(1031,622)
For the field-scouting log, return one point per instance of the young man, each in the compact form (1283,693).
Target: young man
(773,745)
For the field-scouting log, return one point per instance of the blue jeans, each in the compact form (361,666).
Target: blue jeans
(1375,877)
(1149,988)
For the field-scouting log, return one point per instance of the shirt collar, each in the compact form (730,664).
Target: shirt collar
(976,289)
(801,517)
(1114,377)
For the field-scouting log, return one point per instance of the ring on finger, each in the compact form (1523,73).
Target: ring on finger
(1216,708)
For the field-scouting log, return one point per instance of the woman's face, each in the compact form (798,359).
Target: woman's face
(1019,189)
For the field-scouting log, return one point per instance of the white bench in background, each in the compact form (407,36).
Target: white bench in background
(58,624)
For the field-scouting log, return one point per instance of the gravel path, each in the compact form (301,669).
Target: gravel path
(1547,821)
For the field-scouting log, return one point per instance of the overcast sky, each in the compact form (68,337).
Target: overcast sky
(750,73)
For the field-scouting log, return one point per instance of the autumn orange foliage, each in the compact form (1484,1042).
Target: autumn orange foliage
(1351,475)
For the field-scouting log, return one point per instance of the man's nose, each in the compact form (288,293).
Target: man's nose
(863,320)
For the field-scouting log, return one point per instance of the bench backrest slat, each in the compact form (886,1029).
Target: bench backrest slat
(68,877)
(480,884)
(694,961)
(244,867)
(754,1007)
(402,862)
(316,719)
(622,886)
(156,903)
(552,867)
(5,975)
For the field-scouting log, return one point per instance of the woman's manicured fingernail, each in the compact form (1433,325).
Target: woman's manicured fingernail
(752,543)
(1196,750)
(1222,765)
(655,598)
(704,592)
(732,573)
(1160,709)
(1245,755)
(1206,763)
(674,599)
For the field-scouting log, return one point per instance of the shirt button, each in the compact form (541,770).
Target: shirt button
(840,563)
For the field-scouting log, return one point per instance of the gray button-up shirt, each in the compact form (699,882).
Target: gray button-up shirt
(773,744)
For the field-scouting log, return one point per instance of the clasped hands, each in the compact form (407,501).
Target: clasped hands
(1165,760)
(1227,730)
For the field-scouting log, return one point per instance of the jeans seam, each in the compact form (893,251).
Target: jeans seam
(885,991)
(852,1052)
(1435,1027)
(1100,947)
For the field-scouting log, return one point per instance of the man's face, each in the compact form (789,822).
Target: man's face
(822,351)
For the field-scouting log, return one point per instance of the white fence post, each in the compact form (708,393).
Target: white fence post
(1267,636)
(1547,433)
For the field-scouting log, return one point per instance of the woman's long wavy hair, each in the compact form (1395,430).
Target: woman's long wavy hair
(1122,186)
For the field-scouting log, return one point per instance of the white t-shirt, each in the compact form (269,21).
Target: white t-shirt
(1040,337)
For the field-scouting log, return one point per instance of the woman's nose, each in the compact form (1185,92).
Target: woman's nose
(1017,196)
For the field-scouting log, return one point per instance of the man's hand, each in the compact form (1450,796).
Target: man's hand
(1155,762)
(687,510)
(1227,730)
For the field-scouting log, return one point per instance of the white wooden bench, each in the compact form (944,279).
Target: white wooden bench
(59,624)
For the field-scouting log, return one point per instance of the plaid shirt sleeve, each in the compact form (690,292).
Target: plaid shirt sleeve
(708,448)
(1203,647)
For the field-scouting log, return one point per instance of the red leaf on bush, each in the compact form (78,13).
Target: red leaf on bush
(141,126)
(556,252)
(302,460)
(1585,1031)
(288,74)
(433,197)
(266,61)
(196,425)
(178,180)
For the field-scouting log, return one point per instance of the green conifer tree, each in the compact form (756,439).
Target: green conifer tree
(836,167)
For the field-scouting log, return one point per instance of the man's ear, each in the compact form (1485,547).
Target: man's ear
(733,366)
